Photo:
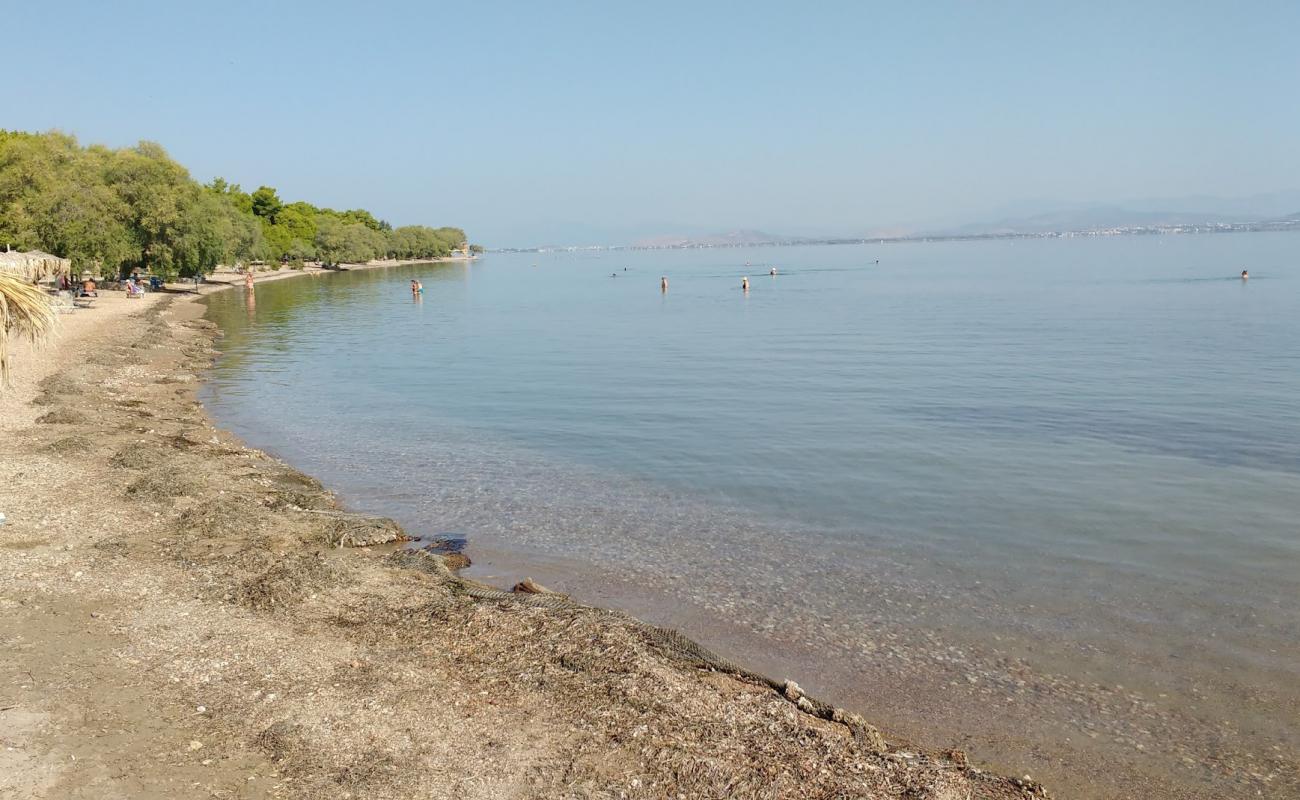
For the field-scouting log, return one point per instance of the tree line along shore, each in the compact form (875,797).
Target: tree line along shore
(116,211)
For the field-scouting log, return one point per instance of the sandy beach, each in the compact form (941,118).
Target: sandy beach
(226,276)
(180,620)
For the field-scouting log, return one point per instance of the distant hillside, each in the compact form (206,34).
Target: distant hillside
(1090,219)
(740,238)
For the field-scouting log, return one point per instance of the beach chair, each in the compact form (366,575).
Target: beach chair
(63,301)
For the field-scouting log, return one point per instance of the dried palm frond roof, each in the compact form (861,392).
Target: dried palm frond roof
(25,310)
(34,265)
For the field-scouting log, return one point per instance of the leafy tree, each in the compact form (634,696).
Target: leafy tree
(266,203)
(299,219)
(338,241)
(329,239)
(157,193)
(238,198)
(278,239)
(113,210)
(84,221)
(29,168)
(365,218)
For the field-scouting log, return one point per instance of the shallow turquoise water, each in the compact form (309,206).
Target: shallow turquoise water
(1088,447)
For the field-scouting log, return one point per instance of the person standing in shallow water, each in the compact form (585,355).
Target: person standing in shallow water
(663,284)
(248,280)
(744,284)
(1245,275)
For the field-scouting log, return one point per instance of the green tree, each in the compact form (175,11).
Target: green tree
(29,170)
(84,222)
(158,194)
(329,239)
(241,200)
(278,239)
(266,203)
(299,219)
(112,210)
(365,218)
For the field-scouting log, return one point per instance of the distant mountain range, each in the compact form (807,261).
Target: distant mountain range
(740,238)
(1090,219)
(1087,220)
(1028,218)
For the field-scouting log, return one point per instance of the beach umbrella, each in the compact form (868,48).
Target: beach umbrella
(34,265)
(25,309)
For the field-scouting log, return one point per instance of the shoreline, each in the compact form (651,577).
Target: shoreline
(257,655)
(226,277)
(866,626)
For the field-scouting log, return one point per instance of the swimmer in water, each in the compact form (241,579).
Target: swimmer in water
(1245,275)
(744,284)
(772,271)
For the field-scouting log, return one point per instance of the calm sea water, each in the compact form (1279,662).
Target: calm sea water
(1037,499)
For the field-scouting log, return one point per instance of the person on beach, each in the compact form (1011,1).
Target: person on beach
(88,288)
(1245,275)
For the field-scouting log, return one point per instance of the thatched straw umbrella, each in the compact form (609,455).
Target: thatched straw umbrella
(34,265)
(25,309)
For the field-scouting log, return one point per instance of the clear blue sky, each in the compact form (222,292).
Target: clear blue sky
(530,123)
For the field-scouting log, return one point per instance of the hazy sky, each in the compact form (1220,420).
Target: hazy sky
(534,123)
